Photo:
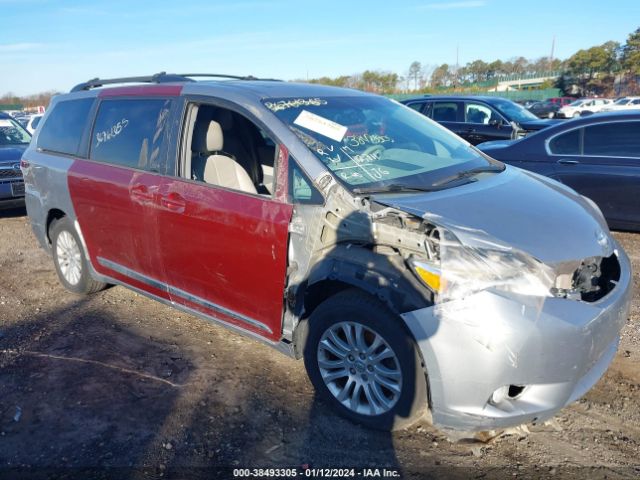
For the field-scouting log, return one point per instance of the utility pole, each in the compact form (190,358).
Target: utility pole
(553,46)
(455,75)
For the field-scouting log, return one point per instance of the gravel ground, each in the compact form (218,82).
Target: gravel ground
(116,385)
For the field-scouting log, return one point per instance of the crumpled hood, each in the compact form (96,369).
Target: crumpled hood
(11,154)
(514,209)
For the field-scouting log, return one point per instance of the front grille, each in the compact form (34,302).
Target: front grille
(600,284)
(10,173)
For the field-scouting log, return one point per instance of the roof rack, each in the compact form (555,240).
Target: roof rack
(162,77)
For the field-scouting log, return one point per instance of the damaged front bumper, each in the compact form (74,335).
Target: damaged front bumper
(497,359)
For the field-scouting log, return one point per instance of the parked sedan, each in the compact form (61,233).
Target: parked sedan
(13,141)
(583,106)
(624,103)
(479,119)
(598,156)
(546,109)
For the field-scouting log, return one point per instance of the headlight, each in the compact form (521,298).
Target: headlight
(462,270)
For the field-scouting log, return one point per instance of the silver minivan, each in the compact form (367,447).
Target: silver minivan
(409,270)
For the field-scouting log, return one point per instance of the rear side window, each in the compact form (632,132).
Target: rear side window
(417,106)
(445,112)
(130,132)
(613,140)
(62,132)
(566,144)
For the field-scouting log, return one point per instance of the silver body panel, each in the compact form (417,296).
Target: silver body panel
(556,347)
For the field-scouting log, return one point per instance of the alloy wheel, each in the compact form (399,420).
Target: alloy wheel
(69,257)
(359,368)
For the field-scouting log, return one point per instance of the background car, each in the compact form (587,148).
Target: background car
(545,109)
(624,103)
(479,119)
(13,141)
(33,122)
(583,106)
(598,156)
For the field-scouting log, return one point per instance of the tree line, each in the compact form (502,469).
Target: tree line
(608,69)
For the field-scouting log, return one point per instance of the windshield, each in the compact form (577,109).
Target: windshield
(513,111)
(622,101)
(12,133)
(374,142)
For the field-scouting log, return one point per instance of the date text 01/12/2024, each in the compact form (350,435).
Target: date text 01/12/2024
(315,473)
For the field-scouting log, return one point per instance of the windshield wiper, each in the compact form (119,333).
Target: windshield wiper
(392,188)
(469,173)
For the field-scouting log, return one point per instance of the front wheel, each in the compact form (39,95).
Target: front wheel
(69,259)
(361,360)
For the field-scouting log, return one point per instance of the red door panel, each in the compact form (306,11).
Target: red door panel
(116,211)
(225,253)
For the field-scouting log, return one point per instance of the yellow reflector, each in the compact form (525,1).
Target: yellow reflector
(430,278)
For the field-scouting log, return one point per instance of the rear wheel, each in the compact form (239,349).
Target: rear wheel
(69,259)
(361,360)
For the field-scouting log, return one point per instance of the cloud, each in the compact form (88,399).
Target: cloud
(454,5)
(18,47)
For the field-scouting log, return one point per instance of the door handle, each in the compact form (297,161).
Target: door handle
(565,161)
(141,192)
(174,202)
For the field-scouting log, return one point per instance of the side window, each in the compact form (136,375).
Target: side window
(566,143)
(417,106)
(479,113)
(620,139)
(130,133)
(225,148)
(65,125)
(301,190)
(445,111)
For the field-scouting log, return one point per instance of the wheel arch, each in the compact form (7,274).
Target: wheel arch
(52,215)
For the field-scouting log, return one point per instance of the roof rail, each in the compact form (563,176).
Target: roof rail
(162,77)
(234,77)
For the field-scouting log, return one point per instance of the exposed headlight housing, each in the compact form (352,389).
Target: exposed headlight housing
(460,270)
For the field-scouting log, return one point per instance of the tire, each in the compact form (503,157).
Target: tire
(337,366)
(69,259)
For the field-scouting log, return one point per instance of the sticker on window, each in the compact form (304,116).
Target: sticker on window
(321,125)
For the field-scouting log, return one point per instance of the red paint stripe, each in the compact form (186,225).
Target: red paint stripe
(142,90)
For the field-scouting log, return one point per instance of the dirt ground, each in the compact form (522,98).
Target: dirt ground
(115,385)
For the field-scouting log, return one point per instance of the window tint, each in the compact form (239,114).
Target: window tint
(35,122)
(416,106)
(130,132)
(566,144)
(621,139)
(62,132)
(445,112)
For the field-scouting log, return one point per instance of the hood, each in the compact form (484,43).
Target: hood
(11,154)
(538,124)
(514,209)
(495,145)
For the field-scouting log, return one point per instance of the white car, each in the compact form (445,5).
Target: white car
(624,103)
(32,124)
(577,108)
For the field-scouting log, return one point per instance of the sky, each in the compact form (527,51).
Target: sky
(53,45)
